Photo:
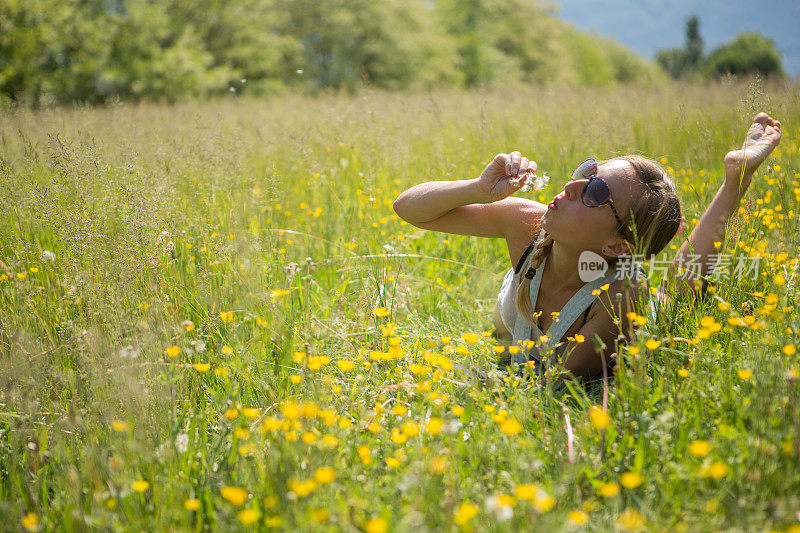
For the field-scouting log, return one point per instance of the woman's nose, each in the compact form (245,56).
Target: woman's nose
(573,188)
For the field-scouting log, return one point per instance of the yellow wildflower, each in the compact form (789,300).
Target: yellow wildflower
(543,502)
(526,491)
(510,427)
(718,470)
(598,417)
(376,525)
(30,521)
(438,465)
(235,495)
(277,293)
(120,426)
(470,338)
(578,517)
(140,485)
(700,448)
(248,516)
(630,520)
(652,344)
(464,513)
(192,504)
(608,490)
(410,428)
(345,365)
(631,480)
(303,488)
(434,426)
(324,475)
(365,454)
(315,362)
(173,351)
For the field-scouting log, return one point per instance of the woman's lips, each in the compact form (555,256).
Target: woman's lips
(553,204)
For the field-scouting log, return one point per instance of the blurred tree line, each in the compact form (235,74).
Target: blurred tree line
(61,51)
(748,53)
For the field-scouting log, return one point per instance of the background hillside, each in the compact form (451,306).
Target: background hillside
(648,25)
(55,52)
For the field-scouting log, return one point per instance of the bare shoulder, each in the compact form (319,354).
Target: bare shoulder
(523,223)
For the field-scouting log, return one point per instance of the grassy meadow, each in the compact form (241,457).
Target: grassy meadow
(211,318)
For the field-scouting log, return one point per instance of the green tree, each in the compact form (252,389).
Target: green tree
(63,51)
(747,54)
(246,40)
(680,62)
(694,43)
(393,44)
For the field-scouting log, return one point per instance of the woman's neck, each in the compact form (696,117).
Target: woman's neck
(564,267)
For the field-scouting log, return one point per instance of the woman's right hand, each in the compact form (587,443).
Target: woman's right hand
(496,179)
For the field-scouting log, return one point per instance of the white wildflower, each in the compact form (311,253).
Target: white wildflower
(49,256)
(531,182)
(452,427)
(129,352)
(502,512)
(182,442)
(292,268)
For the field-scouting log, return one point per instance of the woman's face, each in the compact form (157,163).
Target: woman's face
(591,228)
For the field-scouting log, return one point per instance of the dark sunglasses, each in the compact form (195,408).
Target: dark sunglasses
(596,192)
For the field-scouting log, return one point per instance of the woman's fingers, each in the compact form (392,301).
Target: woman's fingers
(516,164)
(761,118)
(513,165)
(766,120)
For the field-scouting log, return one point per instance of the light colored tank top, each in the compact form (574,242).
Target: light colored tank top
(522,330)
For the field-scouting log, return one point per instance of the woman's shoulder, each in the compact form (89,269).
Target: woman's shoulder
(525,228)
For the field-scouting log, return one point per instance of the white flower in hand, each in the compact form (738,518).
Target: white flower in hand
(531,182)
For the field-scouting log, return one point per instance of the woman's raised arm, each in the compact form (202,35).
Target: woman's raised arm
(762,137)
(480,206)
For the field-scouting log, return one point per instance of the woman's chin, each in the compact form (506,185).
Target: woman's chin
(546,222)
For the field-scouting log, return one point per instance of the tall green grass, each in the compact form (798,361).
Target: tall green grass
(130,230)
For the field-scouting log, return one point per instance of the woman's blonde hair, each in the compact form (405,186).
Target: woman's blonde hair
(655,218)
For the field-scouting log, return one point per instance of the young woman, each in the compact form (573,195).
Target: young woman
(618,209)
